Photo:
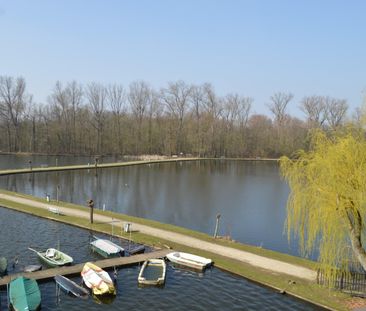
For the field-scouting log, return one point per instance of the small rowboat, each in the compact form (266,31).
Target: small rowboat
(107,248)
(24,294)
(32,268)
(3,266)
(53,257)
(71,287)
(97,280)
(152,272)
(136,250)
(189,260)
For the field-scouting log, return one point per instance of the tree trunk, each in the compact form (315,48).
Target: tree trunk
(355,228)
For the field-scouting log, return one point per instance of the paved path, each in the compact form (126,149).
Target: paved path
(243,256)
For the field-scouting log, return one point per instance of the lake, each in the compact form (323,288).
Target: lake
(249,195)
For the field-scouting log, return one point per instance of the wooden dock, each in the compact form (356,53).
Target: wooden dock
(76,269)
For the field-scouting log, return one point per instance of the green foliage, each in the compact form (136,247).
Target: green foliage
(328,196)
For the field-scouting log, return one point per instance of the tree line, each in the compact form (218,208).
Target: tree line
(179,118)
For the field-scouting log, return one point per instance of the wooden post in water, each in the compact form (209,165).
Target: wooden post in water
(57,192)
(217,225)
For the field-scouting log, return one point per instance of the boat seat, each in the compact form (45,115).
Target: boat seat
(50,253)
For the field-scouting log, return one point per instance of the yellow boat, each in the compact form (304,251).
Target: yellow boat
(97,280)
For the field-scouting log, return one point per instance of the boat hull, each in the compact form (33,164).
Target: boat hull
(71,287)
(60,259)
(189,260)
(106,248)
(32,268)
(152,272)
(24,294)
(97,280)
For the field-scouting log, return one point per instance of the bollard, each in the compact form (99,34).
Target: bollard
(91,206)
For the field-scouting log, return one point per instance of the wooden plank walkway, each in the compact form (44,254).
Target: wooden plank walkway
(76,269)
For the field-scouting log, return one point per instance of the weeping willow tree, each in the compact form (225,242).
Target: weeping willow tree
(326,208)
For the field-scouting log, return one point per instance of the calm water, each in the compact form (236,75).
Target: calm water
(250,196)
(184,290)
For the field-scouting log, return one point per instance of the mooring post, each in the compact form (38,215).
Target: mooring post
(57,192)
(217,225)
(91,206)
(30,164)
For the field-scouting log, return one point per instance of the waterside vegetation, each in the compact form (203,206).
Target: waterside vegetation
(177,118)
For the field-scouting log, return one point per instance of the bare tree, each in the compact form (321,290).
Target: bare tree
(197,100)
(176,98)
(139,98)
(117,100)
(315,110)
(74,93)
(213,109)
(278,106)
(96,95)
(60,108)
(13,101)
(336,111)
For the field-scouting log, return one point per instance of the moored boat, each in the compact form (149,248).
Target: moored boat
(152,272)
(107,248)
(71,287)
(189,260)
(136,250)
(53,257)
(97,280)
(32,268)
(24,294)
(3,266)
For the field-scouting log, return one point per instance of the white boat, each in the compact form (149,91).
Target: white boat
(107,248)
(152,272)
(97,280)
(189,260)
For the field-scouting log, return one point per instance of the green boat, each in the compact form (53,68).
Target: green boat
(53,257)
(24,294)
(3,266)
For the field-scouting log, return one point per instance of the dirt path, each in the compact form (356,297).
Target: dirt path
(243,256)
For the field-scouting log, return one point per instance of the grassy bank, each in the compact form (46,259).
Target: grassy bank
(297,287)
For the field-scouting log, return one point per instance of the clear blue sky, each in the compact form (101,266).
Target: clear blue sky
(254,48)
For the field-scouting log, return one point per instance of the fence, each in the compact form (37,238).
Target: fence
(349,282)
